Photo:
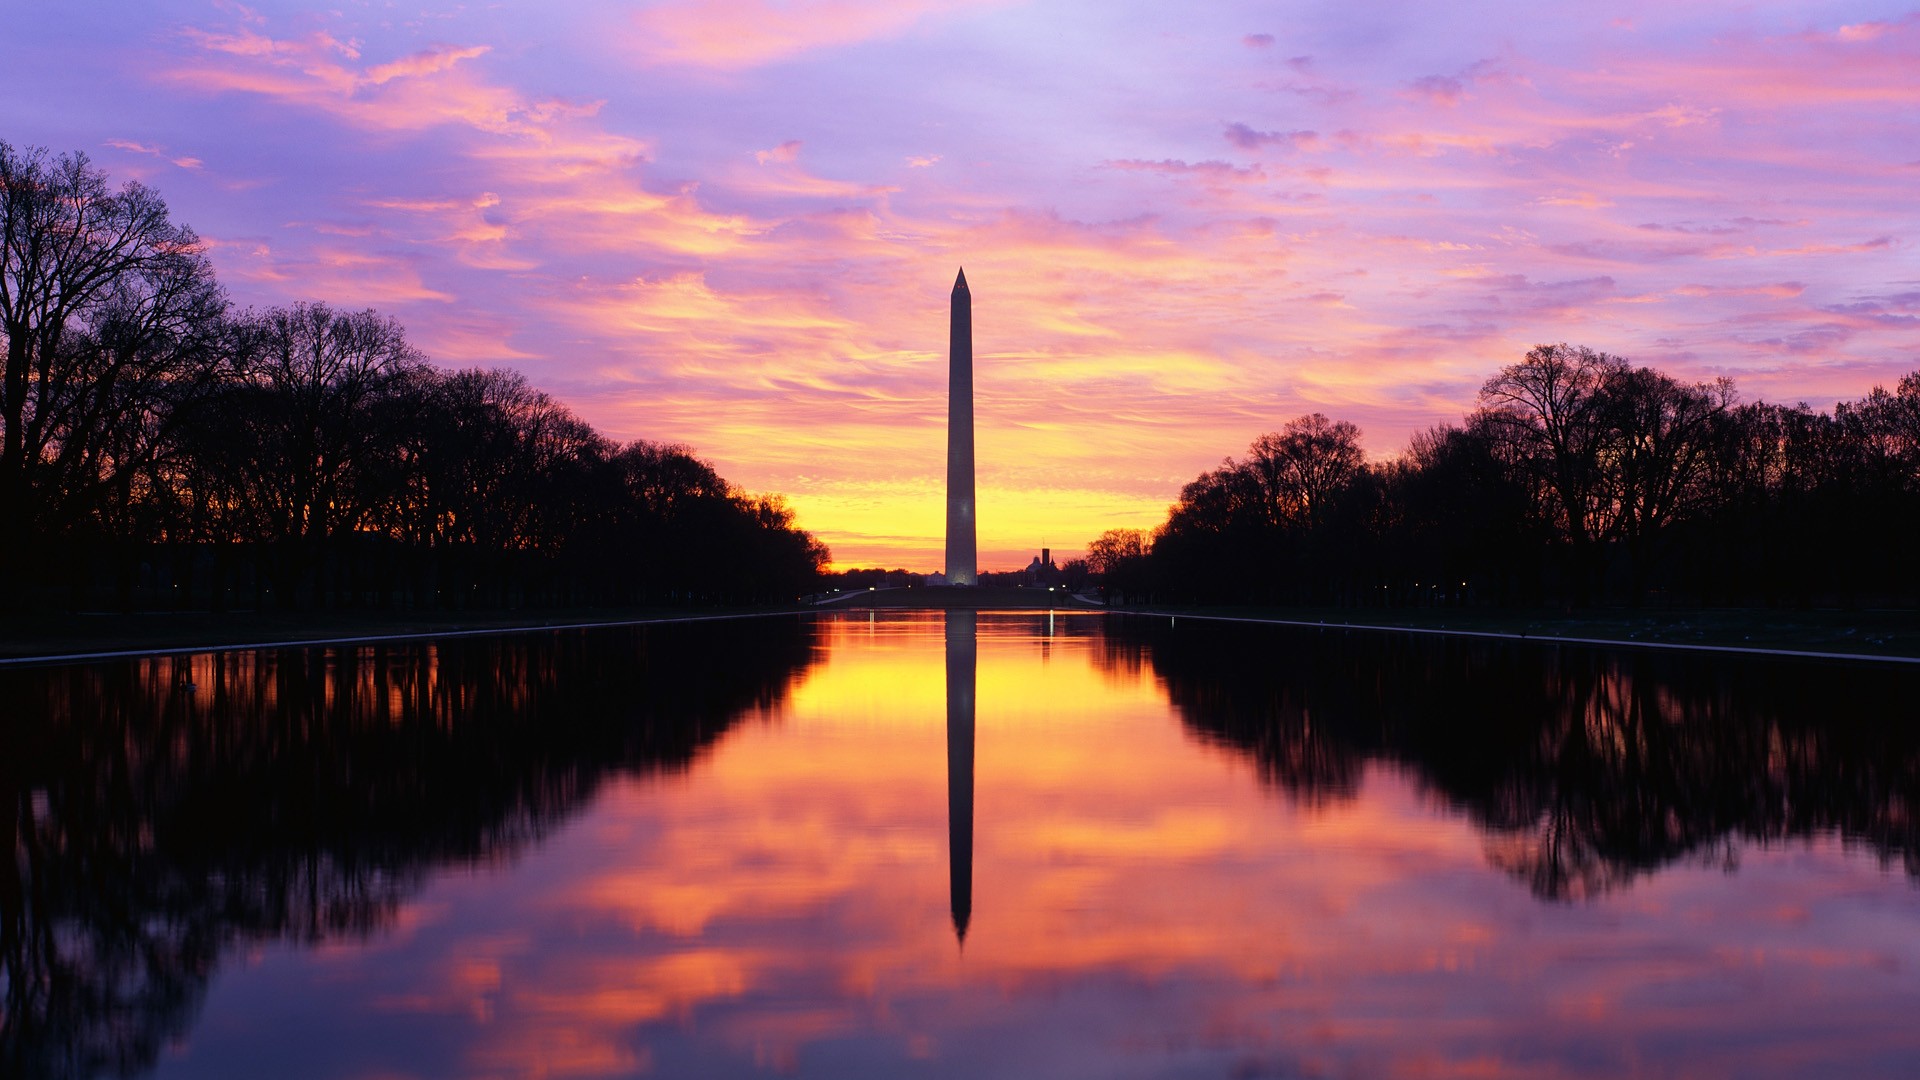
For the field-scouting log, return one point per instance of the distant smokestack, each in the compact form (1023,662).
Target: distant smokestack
(1046,556)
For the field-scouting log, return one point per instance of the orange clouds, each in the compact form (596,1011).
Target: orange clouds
(348,276)
(733,224)
(430,62)
(418,91)
(155,151)
(746,33)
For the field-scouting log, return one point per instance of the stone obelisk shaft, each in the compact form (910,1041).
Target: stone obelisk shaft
(962,560)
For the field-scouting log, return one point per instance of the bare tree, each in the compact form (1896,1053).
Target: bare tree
(1303,466)
(1886,425)
(1119,559)
(1115,547)
(109,313)
(323,413)
(1552,408)
(1658,465)
(493,446)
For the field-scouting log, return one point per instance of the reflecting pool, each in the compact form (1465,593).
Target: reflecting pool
(948,844)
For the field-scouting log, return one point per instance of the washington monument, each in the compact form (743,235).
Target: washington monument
(962,562)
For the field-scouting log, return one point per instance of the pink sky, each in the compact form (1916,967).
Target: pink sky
(734,223)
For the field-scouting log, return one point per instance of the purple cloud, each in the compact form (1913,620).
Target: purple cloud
(734,248)
(1171,166)
(1439,89)
(1246,138)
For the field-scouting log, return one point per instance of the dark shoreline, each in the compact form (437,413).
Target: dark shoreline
(53,638)
(1864,633)
(1869,633)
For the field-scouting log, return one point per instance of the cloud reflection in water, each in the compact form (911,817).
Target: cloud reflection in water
(1193,853)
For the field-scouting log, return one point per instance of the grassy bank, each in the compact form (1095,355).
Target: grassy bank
(60,635)
(1870,632)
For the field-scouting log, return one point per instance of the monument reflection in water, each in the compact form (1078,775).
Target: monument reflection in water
(723,851)
(963,646)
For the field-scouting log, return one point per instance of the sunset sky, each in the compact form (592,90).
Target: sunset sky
(734,223)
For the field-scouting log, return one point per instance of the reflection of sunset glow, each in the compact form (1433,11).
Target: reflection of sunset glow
(733,224)
(1140,899)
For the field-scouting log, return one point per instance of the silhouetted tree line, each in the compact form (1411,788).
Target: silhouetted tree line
(157,441)
(164,812)
(872,577)
(1585,768)
(1579,479)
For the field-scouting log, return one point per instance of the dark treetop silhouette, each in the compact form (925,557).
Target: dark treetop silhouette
(170,452)
(1580,479)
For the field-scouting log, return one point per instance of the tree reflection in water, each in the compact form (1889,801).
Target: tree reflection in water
(163,811)
(1584,767)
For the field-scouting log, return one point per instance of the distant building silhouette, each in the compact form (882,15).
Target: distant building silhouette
(962,559)
(962,658)
(1042,571)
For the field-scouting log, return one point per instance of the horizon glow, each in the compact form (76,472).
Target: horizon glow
(734,224)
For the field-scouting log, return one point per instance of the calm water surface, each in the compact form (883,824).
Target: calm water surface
(954,845)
